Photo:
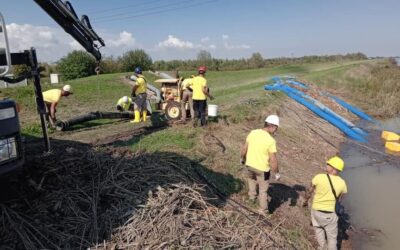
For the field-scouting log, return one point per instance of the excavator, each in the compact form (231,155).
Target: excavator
(11,146)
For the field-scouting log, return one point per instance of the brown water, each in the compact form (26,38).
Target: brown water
(373,180)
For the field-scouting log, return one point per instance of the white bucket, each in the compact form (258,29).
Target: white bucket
(212,110)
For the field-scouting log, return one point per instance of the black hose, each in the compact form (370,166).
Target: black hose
(64,125)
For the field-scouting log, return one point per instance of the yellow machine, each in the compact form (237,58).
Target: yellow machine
(171,97)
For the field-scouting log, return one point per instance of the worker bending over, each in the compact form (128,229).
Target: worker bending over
(200,94)
(125,104)
(51,98)
(259,155)
(328,190)
(139,94)
(187,97)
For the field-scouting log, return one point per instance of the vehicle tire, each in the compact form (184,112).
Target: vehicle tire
(173,111)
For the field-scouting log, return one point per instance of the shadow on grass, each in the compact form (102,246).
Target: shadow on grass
(82,193)
(281,193)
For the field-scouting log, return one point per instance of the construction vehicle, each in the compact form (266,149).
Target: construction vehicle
(11,146)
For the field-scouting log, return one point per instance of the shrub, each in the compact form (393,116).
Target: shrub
(76,64)
(135,58)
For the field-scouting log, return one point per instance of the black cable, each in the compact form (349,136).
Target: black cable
(156,12)
(149,9)
(124,7)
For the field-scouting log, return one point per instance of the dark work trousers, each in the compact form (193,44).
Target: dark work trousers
(199,107)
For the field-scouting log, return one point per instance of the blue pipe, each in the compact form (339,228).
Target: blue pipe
(347,106)
(326,109)
(352,109)
(317,110)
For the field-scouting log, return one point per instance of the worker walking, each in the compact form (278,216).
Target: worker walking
(200,94)
(259,155)
(187,97)
(328,189)
(51,98)
(125,104)
(139,94)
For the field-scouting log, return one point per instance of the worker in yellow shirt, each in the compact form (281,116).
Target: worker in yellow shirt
(259,156)
(200,94)
(125,104)
(51,98)
(140,96)
(328,190)
(187,97)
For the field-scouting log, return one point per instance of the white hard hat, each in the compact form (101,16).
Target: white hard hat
(125,99)
(273,119)
(67,88)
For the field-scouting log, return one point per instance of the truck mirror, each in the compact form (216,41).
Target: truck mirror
(5,56)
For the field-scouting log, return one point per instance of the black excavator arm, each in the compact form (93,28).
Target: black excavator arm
(64,14)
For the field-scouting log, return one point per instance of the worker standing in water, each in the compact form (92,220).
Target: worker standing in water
(51,98)
(200,94)
(139,94)
(328,190)
(259,155)
(187,97)
(125,104)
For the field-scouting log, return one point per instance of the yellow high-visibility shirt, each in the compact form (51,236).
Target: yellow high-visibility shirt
(125,106)
(198,84)
(142,86)
(187,83)
(259,144)
(52,95)
(323,198)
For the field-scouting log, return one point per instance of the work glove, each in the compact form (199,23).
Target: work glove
(211,97)
(277,176)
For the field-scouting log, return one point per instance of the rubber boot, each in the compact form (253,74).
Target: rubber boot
(144,115)
(137,117)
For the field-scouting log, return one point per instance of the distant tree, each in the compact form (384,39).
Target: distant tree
(204,58)
(20,70)
(76,64)
(256,61)
(135,58)
(110,65)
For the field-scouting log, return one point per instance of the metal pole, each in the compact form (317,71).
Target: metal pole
(39,97)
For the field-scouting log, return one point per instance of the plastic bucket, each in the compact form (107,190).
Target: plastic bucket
(212,110)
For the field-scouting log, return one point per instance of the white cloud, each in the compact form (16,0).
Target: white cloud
(225,37)
(125,39)
(53,43)
(205,39)
(236,47)
(212,46)
(174,42)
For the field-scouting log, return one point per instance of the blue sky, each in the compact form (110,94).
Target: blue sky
(178,29)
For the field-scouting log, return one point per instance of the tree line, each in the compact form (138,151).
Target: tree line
(79,64)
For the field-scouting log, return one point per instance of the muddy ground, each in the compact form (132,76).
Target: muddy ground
(80,195)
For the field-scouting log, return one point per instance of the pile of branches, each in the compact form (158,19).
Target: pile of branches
(179,217)
(78,196)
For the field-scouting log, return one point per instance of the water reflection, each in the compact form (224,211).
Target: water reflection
(373,179)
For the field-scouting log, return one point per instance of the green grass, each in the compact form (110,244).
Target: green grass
(164,140)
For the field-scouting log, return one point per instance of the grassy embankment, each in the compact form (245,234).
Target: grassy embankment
(373,86)
(243,105)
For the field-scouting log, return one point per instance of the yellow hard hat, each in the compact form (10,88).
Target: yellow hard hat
(336,162)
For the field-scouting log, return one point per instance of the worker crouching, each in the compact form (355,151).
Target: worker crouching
(259,155)
(51,98)
(140,96)
(125,104)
